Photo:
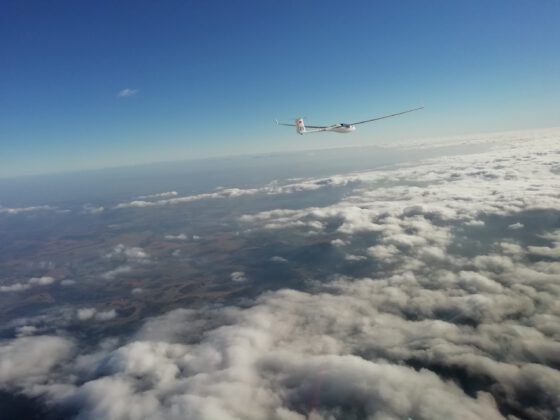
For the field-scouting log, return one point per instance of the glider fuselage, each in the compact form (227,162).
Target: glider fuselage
(342,128)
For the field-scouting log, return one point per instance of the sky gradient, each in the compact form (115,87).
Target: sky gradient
(94,84)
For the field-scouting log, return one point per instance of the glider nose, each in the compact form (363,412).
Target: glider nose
(300,126)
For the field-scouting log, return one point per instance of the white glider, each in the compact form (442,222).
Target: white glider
(301,128)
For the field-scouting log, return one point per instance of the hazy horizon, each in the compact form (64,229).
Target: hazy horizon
(401,142)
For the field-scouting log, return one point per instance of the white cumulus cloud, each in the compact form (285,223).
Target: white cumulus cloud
(238,276)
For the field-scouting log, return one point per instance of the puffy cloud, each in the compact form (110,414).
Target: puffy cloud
(290,354)
(178,237)
(553,236)
(135,253)
(32,282)
(18,210)
(228,193)
(238,276)
(496,263)
(352,257)
(26,361)
(455,188)
(383,390)
(15,287)
(545,251)
(90,209)
(357,219)
(114,398)
(127,252)
(166,194)
(475,282)
(113,274)
(511,248)
(128,257)
(294,353)
(475,223)
(41,281)
(548,251)
(85,314)
(67,282)
(272,188)
(127,93)
(384,252)
(26,330)
(106,315)
(516,226)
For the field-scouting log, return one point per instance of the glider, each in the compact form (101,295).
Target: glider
(301,128)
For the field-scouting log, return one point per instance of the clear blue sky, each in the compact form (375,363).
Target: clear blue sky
(210,76)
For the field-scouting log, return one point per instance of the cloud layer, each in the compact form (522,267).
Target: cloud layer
(458,318)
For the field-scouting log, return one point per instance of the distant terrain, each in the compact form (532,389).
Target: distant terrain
(413,281)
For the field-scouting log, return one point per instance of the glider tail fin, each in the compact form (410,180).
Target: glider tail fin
(300,126)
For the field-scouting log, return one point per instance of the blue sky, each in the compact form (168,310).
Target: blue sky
(210,76)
